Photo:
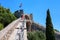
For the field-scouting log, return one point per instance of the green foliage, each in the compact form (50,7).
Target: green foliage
(36,35)
(6,16)
(1,26)
(50,35)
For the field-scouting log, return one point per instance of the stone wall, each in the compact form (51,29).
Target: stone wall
(6,32)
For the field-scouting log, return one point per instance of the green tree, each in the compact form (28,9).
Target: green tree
(50,35)
(6,16)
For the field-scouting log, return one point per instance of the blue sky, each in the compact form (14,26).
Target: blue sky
(38,8)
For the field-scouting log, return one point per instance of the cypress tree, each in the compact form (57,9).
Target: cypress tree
(49,27)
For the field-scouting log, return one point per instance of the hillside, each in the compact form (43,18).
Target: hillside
(41,28)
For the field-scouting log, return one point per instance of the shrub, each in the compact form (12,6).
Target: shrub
(36,35)
(1,26)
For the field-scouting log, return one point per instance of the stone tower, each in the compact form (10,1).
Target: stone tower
(28,23)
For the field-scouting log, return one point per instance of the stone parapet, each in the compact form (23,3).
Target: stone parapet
(6,32)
